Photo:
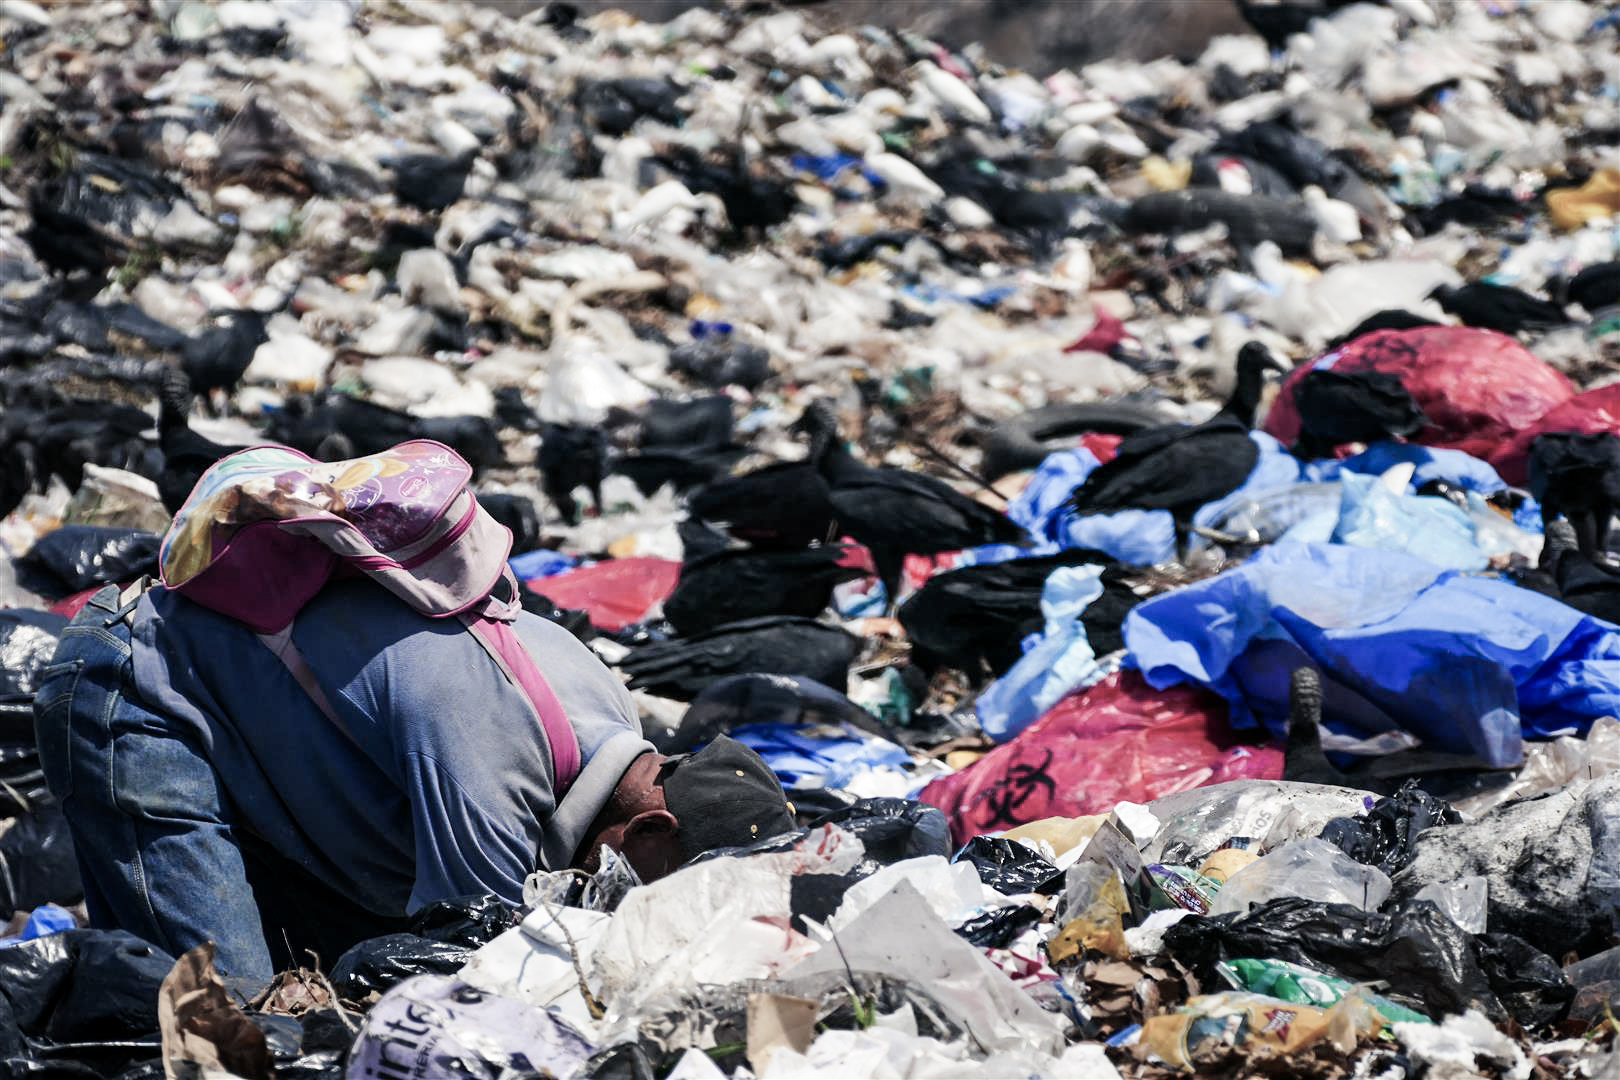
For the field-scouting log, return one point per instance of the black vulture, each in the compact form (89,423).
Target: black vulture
(774,645)
(215,358)
(1578,476)
(186,454)
(897,513)
(683,443)
(1580,583)
(1338,407)
(517,513)
(786,505)
(1179,468)
(1498,307)
(743,583)
(572,456)
(1594,288)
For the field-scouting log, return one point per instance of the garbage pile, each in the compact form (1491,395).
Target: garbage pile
(1153,518)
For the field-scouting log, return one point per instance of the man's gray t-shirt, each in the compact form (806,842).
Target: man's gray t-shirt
(443,784)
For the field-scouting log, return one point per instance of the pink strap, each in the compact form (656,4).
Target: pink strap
(281,643)
(503,646)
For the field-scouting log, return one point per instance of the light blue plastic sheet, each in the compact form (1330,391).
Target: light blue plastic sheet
(1434,529)
(1430,463)
(805,756)
(1058,660)
(1464,663)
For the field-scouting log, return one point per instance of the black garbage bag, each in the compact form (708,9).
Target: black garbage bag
(613,106)
(718,362)
(758,699)
(1429,962)
(37,864)
(375,965)
(82,1003)
(22,779)
(77,557)
(893,830)
(430,181)
(1249,219)
(995,929)
(1009,867)
(323,1046)
(1530,984)
(1383,836)
(468,921)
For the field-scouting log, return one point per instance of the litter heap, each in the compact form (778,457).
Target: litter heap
(1282,749)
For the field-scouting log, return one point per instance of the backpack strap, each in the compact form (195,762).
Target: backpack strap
(281,643)
(501,642)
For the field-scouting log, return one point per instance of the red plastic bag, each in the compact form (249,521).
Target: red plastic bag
(616,593)
(1591,413)
(1477,387)
(1119,740)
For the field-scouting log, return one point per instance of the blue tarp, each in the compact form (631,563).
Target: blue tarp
(1462,662)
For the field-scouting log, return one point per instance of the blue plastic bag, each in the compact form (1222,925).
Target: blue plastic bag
(803,756)
(1430,463)
(1434,529)
(1464,663)
(1055,662)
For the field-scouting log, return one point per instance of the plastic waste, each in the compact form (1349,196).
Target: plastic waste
(43,921)
(1547,862)
(430,1025)
(1061,661)
(1430,963)
(1303,985)
(891,831)
(787,701)
(616,593)
(37,863)
(1010,867)
(76,557)
(1311,868)
(1118,740)
(1598,198)
(899,936)
(1384,835)
(1213,1022)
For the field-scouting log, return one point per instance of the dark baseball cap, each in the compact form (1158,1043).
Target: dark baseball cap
(723,796)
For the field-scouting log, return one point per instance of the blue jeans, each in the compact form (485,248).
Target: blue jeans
(157,846)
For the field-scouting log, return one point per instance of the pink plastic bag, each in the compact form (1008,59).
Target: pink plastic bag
(1590,413)
(1119,740)
(1477,387)
(616,593)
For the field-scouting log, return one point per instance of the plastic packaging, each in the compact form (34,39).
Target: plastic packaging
(1303,985)
(1312,868)
(1010,867)
(429,1026)
(1214,1022)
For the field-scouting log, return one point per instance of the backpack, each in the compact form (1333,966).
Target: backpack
(266,528)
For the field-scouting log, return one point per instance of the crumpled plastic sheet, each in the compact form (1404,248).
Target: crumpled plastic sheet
(1269,812)
(663,936)
(1466,664)
(900,934)
(1119,740)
